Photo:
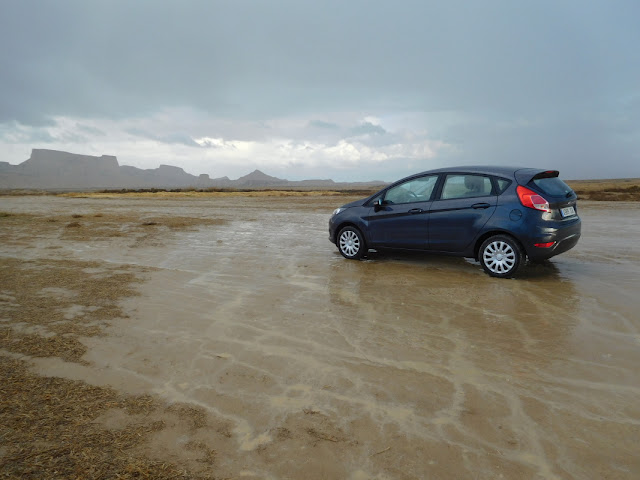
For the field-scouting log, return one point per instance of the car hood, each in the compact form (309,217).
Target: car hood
(357,203)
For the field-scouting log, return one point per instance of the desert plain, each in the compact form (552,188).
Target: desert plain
(223,336)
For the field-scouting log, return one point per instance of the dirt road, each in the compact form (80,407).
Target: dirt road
(311,366)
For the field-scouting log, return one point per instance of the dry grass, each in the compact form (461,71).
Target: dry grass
(196,416)
(49,427)
(35,345)
(182,223)
(22,192)
(105,226)
(218,193)
(17,228)
(38,297)
(626,189)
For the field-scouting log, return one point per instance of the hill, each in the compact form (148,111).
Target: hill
(56,170)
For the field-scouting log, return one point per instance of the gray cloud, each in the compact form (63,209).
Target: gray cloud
(323,125)
(11,133)
(89,130)
(367,128)
(552,81)
(178,138)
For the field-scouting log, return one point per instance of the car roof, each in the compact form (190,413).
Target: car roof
(489,170)
(522,175)
(486,169)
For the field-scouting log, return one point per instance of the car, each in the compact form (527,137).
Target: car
(499,216)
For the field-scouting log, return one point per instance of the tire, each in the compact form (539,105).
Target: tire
(501,256)
(351,243)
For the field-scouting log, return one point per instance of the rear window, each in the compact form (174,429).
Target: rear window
(552,186)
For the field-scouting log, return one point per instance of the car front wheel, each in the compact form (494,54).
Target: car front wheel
(351,243)
(501,256)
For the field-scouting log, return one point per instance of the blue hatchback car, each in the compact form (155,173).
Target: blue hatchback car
(497,215)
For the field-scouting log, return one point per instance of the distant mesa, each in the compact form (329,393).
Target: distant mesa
(56,170)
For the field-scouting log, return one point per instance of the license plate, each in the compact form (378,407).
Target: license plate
(567,211)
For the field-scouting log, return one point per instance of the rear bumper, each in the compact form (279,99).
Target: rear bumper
(564,238)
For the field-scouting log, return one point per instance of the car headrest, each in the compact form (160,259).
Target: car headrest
(474,183)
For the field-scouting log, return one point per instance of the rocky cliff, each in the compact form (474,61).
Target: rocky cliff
(55,170)
(52,169)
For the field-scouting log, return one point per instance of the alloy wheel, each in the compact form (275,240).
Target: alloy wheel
(499,257)
(349,243)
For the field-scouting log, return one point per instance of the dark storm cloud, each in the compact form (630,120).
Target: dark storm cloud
(554,79)
(120,57)
(178,138)
(588,147)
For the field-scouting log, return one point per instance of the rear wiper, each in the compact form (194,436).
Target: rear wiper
(569,194)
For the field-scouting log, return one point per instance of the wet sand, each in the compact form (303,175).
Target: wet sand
(399,366)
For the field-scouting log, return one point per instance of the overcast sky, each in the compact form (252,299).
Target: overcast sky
(349,90)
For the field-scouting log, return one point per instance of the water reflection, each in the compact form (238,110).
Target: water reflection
(499,323)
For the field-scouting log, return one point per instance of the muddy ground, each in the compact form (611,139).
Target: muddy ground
(227,338)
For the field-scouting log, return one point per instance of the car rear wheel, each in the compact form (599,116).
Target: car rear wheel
(351,243)
(501,256)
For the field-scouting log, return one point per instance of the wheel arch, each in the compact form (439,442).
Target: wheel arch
(349,223)
(491,233)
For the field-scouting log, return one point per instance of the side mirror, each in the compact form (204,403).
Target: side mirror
(377,205)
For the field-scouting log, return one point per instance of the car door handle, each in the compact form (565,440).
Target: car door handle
(416,210)
(480,205)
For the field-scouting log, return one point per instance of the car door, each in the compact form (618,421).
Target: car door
(463,207)
(401,220)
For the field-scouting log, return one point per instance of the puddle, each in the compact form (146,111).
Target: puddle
(401,366)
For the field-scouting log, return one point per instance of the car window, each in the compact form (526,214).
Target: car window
(415,190)
(553,186)
(463,186)
(502,184)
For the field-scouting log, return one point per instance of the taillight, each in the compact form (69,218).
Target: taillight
(531,199)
